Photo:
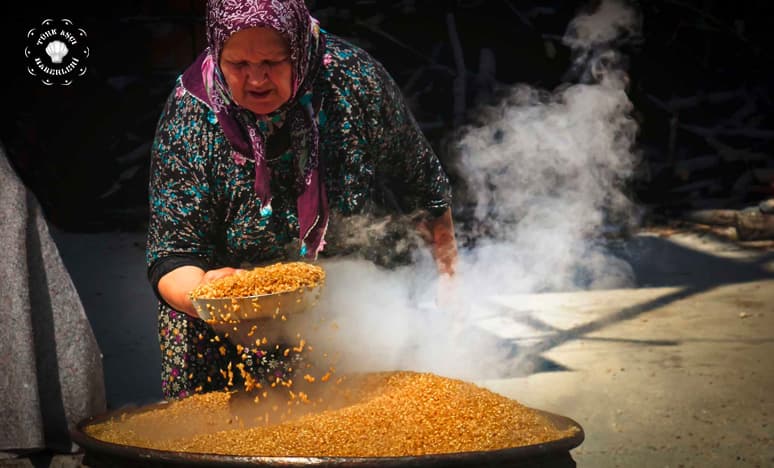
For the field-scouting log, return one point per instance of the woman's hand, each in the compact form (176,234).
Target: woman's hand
(176,285)
(447,292)
(212,275)
(439,233)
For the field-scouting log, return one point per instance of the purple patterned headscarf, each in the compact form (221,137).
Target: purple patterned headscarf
(203,79)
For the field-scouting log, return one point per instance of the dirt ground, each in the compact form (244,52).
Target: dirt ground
(674,372)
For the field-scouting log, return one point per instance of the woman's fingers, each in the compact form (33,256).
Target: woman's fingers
(212,275)
(446,297)
(446,258)
(444,244)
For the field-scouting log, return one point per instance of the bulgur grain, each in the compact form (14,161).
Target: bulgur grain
(375,415)
(276,278)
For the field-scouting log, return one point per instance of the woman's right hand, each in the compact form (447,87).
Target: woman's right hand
(175,287)
(212,275)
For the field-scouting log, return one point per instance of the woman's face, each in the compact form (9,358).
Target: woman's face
(256,65)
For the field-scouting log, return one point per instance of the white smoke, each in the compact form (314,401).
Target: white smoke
(545,173)
(611,21)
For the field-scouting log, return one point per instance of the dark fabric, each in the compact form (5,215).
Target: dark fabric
(51,375)
(195,359)
(165,265)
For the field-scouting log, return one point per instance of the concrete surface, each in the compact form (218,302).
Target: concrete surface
(674,372)
(109,271)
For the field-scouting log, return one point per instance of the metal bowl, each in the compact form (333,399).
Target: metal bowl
(98,453)
(239,317)
(265,306)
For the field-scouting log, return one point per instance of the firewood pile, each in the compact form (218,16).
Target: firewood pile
(705,103)
(737,167)
(750,224)
(732,184)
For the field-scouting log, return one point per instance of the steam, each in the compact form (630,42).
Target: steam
(544,175)
(613,20)
(547,174)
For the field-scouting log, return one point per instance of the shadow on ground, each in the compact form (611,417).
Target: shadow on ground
(656,261)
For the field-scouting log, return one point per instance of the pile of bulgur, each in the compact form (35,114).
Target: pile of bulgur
(374,415)
(276,278)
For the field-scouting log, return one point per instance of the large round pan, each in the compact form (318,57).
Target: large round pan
(98,453)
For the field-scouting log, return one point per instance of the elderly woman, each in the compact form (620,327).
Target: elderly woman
(277,130)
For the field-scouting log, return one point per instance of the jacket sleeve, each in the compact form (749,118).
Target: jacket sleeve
(406,166)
